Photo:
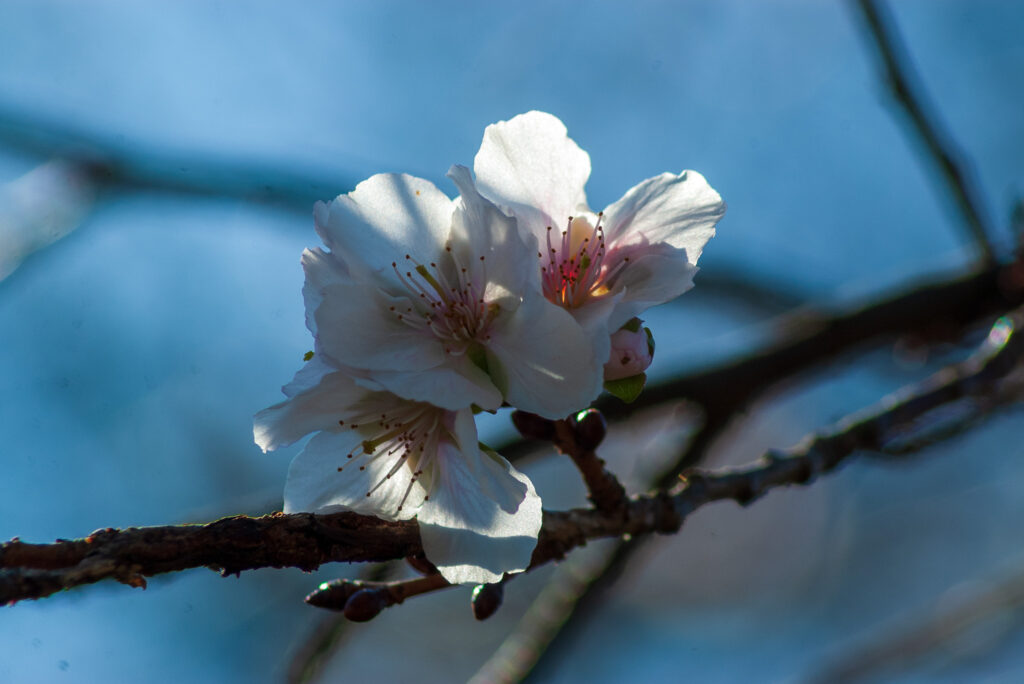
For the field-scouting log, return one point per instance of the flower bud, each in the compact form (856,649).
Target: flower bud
(632,351)
(487,599)
(532,426)
(590,428)
(334,595)
(365,604)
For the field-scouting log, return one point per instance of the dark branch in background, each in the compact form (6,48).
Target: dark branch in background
(906,88)
(116,167)
(839,333)
(939,311)
(307,541)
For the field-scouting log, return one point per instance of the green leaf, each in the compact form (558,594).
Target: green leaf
(632,325)
(307,356)
(627,389)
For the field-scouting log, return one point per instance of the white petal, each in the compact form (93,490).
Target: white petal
(679,210)
(544,360)
(483,516)
(358,328)
(510,259)
(319,407)
(656,274)
(315,485)
(322,269)
(594,317)
(530,167)
(309,376)
(386,217)
(455,385)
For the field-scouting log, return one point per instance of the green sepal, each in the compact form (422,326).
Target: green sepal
(307,356)
(626,389)
(650,342)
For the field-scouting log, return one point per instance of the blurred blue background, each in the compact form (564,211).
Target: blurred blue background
(137,346)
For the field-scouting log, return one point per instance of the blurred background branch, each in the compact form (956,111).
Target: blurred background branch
(939,147)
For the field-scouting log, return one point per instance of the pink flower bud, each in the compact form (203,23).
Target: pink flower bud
(631,354)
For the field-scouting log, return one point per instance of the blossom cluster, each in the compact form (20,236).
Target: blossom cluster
(425,310)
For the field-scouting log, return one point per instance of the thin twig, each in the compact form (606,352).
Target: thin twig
(327,636)
(306,540)
(549,625)
(906,88)
(571,438)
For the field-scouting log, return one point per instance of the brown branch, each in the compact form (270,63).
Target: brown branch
(899,74)
(306,541)
(578,437)
(571,596)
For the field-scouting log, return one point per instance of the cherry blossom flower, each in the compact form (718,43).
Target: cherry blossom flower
(439,300)
(606,267)
(376,453)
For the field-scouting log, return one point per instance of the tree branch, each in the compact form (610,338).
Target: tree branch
(899,74)
(940,310)
(306,540)
(116,167)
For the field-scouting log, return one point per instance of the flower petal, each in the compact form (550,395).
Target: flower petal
(483,516)
(544,361)
(386,217)
(322,269)
(315,483)
(509,264)
(319,407)
(679,210)
(455,385)
(359,326)
(656,274)
(530,167)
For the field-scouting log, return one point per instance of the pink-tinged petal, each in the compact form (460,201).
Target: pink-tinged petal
(319,407)
(322,269)
(678,210)
(315,483)
(631,354)
(544,360)
(483,516)
(655,274)
(479,229)
(359,326)
(530,167)
(457,384)
(386,217)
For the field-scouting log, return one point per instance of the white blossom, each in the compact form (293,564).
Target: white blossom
(606,267)
(376,453)
(439,300)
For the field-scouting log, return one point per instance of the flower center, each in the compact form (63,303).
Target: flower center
(450,307)
(575,268)
(404,437)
